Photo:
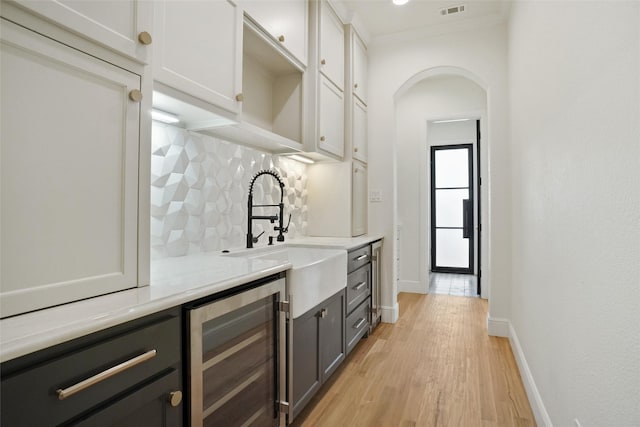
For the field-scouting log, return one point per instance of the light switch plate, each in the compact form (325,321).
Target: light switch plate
(375,195)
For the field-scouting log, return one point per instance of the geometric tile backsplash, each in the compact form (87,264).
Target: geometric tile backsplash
(199,191)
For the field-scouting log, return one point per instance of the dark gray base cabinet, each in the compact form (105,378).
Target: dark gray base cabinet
(150,350)
(318,348)
(358,295)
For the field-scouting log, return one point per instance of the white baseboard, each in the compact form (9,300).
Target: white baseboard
(412,286)
(535,400)
(390,314)
(498,327)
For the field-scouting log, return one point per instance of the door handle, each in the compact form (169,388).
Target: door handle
(467,218)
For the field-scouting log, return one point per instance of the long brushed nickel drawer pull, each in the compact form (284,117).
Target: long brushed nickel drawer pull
(361,257)
(359,323)
(70,391)
(359,286)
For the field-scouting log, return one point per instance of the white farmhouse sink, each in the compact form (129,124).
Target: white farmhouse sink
(316,273)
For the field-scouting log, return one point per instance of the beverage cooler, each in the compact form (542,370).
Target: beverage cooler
(238,359)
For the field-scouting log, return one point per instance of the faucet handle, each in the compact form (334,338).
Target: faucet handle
(255,239)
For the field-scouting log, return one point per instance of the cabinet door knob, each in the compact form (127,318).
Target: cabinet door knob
(323,62)
(175,398)
(239,97)
(281,39)
(323,313)
(322,138)
(355,149)
(145,38)
(135,95)
(355,86)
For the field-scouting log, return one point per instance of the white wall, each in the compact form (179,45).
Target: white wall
(434,98)
(479,54)
(575,130)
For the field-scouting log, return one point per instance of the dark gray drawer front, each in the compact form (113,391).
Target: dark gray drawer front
(357,325)
(359,257)
(358,287)
(37,387)
(147,406)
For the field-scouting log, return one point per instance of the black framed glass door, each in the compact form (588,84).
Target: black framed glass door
(452,232)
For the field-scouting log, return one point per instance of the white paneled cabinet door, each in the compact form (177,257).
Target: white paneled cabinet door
(360,68)
(331,61)
(331,118)
(69,174)
(198,49)
(359,200)
(123,25)
(359,130)
(285,20)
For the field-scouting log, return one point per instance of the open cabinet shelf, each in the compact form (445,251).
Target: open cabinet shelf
(272,97)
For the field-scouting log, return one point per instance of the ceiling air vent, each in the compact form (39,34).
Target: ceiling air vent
(452,10)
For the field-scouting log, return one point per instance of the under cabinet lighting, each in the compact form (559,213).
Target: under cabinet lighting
(163,117)
(301,159)
(400,2)
(451,121)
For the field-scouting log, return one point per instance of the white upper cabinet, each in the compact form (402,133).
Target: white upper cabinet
(198,49)
(359,68)
(69,141)
(122,25)
(284,20)
(356,99)
(331,60)
(324,84)
(359,130)
(331,118)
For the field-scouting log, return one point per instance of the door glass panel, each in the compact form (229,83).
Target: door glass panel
(238,367)
(452,168)
(449,207)
(452,248)
(451,185)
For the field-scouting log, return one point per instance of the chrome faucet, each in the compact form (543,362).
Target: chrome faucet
(271,218)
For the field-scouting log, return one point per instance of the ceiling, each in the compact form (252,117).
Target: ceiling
(382,17)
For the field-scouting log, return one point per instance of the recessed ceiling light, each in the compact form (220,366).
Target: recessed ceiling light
(400,2)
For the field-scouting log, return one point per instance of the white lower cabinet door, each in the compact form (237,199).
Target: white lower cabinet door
(331,120)
(68,176)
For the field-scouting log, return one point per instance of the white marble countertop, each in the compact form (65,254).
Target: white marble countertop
(174,281)
(347,243)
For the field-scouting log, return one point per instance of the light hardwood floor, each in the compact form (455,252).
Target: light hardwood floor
(435,367)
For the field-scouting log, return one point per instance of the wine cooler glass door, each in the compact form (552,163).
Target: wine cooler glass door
(237,359)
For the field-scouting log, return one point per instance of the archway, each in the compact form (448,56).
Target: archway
(434,94)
